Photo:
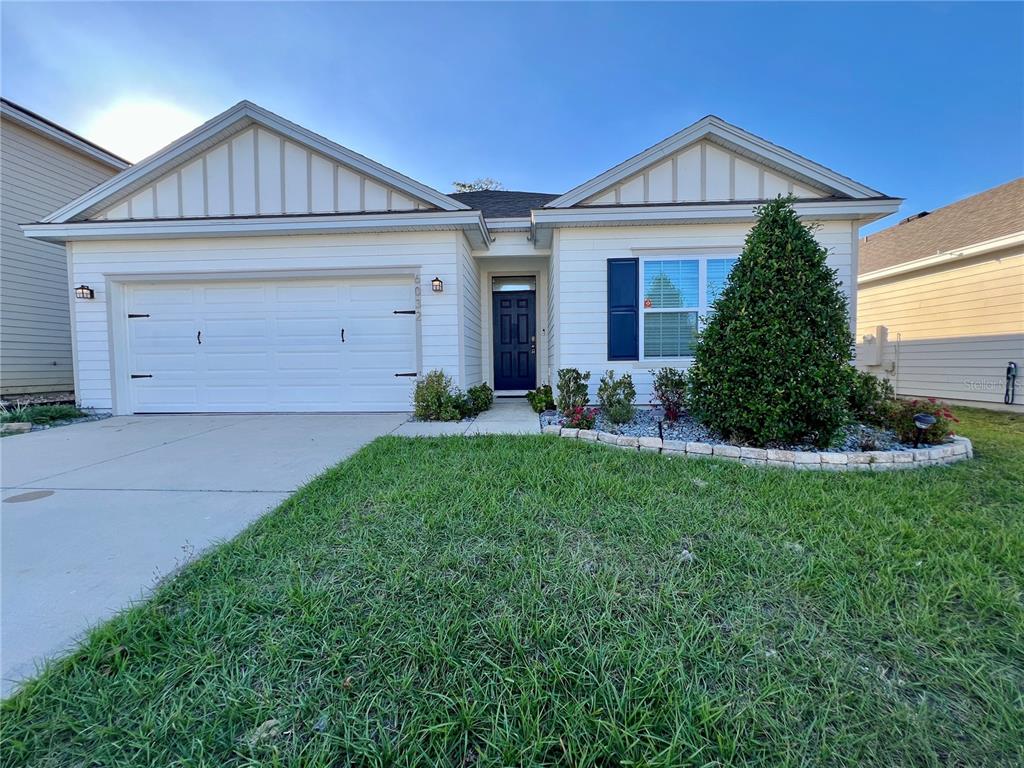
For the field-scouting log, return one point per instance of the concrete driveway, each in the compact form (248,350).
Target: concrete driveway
(94,514)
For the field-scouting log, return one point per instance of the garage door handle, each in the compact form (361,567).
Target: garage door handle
(342,335)
(199,337)
(406,374)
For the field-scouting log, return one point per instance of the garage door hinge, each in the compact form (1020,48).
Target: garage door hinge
(131,316)
(406,374)
(404,312)
(142,375)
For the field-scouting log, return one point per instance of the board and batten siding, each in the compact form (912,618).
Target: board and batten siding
(580,257)
(703,171)
(951,328)
(259,172)
(469,308)
(104,264)
(37,176)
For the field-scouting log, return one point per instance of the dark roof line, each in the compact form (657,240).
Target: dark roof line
(62,129)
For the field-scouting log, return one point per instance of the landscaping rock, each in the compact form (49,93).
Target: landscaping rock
(587,434)
(699,449)
(726,451)
(571,433)
(15,427)
(759,454)
(552,429)
(627,441)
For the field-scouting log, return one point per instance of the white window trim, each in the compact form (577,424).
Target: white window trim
(701,309)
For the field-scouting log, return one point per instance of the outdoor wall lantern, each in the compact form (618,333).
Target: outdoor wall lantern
(437,285)
(922,421)
(85,292)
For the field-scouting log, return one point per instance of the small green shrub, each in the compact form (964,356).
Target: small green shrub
(42,414)
(616,396)
(671,389)
(572,389)
(772,363)
(541,399)
(870,398)
(580,417)
(436,398)
(478,399)
(900,419)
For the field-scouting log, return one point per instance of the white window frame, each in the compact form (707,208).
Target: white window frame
(702,309)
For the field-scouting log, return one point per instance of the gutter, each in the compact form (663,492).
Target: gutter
(471,222)
(946,257)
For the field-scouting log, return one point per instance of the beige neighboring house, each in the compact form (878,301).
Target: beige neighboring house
(42,167)
(940,308)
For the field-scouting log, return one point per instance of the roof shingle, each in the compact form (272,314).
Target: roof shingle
(503,204)
(996,212)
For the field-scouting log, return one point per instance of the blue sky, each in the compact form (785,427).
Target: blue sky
(923,101)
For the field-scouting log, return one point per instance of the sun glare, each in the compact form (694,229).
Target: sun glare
(136,128)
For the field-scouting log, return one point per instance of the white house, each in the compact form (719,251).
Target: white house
(253,265)
(42,165)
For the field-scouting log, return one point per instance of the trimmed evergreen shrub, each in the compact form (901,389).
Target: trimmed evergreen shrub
(436,398)
(672,390)
(616,396)
(478,399)
(870,398)
(541,399)
(572,389)
(772,363)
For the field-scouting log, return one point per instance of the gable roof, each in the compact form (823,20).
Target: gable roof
(504,204)
(994,213)
(733,138)
(232,121)
(60,134)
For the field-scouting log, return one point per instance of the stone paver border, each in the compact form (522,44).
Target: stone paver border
(958,449)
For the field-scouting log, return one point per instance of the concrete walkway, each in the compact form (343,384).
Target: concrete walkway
(508,416)
(94,514)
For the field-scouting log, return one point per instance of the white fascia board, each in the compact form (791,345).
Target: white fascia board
(715,126)
(946,257)
(64,137)
(863,210)
(246,113)
(60,232)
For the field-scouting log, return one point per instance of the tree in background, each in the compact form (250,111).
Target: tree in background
(772,364)
(478,185)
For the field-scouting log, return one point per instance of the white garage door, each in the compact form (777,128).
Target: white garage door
(286,345)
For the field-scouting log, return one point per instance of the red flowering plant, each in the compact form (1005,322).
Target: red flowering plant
(580,418)
(900,419)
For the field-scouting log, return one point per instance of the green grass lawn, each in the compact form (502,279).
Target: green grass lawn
(529,601)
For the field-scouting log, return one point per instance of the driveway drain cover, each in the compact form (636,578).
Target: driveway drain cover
(30,496)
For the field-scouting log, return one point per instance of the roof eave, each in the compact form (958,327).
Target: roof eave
(946,257)
(61,135)
(470,222)
(545,220)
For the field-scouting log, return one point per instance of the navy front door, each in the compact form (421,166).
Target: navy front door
(515,340)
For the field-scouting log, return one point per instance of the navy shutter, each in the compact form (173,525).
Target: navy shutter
(623,309)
